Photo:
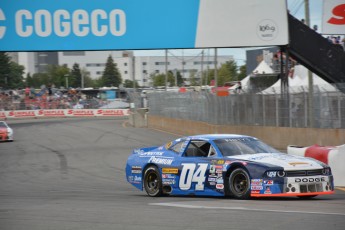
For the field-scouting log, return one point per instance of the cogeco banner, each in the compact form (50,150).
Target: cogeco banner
(32,25)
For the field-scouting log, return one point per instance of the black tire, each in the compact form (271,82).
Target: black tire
(239,184)
(152,182)
(306,197)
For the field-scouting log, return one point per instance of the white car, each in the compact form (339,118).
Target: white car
(6,132)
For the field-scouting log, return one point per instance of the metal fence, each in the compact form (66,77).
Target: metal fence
(254,109)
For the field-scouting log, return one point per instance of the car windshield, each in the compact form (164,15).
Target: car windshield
(3,125)
(242,146)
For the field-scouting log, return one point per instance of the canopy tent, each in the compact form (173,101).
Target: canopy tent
(298,82)
(262,68)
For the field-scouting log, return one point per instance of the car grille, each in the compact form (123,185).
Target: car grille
(316,172)
(305,188)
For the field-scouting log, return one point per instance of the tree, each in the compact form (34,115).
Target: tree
(75,78)
(192,78)
(243,72)
(5,69)
(111,75)
(159,79)
(129,84)
(16,79)
(57,76)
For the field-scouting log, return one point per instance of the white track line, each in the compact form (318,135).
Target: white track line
(240,209)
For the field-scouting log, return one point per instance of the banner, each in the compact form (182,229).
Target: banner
(46,25)
(64,113)
(333,17)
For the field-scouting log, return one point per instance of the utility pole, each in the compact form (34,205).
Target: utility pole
(202,66)
(310,74)
(215,70)
(166,69)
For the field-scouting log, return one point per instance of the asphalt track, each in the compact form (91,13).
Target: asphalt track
(69,174)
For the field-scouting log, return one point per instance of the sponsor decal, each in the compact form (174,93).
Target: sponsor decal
(212,179)
(298,163)
(22,113)
(168,176)
(136,170)
(212,183)
(81,112)
(111,112)
(309,180)
(160,160)
(272,174)
(219,186)
(212,169)
(255,192)
(219,166)
(267,30)
(220,162)
(220,181)
(256,187)
(170,170)
(168,181)
(268,190)
(55,113)
(168,145)
(150,153)
(2,115)
(268,182)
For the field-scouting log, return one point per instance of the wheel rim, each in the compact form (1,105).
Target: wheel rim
(240,183)
(152,182)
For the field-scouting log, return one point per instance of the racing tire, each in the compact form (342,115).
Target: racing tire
(306,197)
(152,182)
(239,184)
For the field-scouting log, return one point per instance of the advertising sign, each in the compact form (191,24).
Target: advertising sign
(46,25)
(333,17)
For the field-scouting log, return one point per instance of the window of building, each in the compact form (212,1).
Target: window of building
(157,71)
(126,72)
(161,63)
(73,53)
(144,71)
(125,64)
(144,63)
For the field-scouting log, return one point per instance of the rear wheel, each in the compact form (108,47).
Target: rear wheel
(152,182)
(239,184)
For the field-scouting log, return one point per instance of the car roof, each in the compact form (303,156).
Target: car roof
(219,136)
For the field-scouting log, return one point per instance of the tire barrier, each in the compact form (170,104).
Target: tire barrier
(334,156)
(42,113)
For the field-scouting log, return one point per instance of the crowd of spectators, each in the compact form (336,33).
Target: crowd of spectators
(46,98)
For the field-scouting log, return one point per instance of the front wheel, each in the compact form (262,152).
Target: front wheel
(152,182)
(239,184)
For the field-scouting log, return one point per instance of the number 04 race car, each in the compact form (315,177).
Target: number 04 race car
(226,165)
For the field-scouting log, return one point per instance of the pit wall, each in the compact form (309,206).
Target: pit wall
(278,137)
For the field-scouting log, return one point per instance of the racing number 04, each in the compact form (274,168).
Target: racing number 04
(191,173)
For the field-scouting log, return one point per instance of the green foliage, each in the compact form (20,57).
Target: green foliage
(243,72)
(129,84)
(16,79)
(5,69)
(75,77)
(111,75)
(159,79)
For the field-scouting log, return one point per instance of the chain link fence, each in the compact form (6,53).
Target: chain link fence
(275,109)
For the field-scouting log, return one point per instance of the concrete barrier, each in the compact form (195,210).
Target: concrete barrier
(334,156)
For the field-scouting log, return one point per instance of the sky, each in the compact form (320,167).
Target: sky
(296,8)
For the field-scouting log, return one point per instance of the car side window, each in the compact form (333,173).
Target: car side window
(212,152)
(177,147)
(197,148)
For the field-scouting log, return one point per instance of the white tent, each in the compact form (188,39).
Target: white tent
(262,68)
(299,82)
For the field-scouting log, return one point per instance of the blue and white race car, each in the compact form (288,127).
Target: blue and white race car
(226,165)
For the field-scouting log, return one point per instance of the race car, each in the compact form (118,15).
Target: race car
(6,133)
(229,165)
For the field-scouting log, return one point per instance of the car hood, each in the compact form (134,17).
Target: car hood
(3,130)
(288,162)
